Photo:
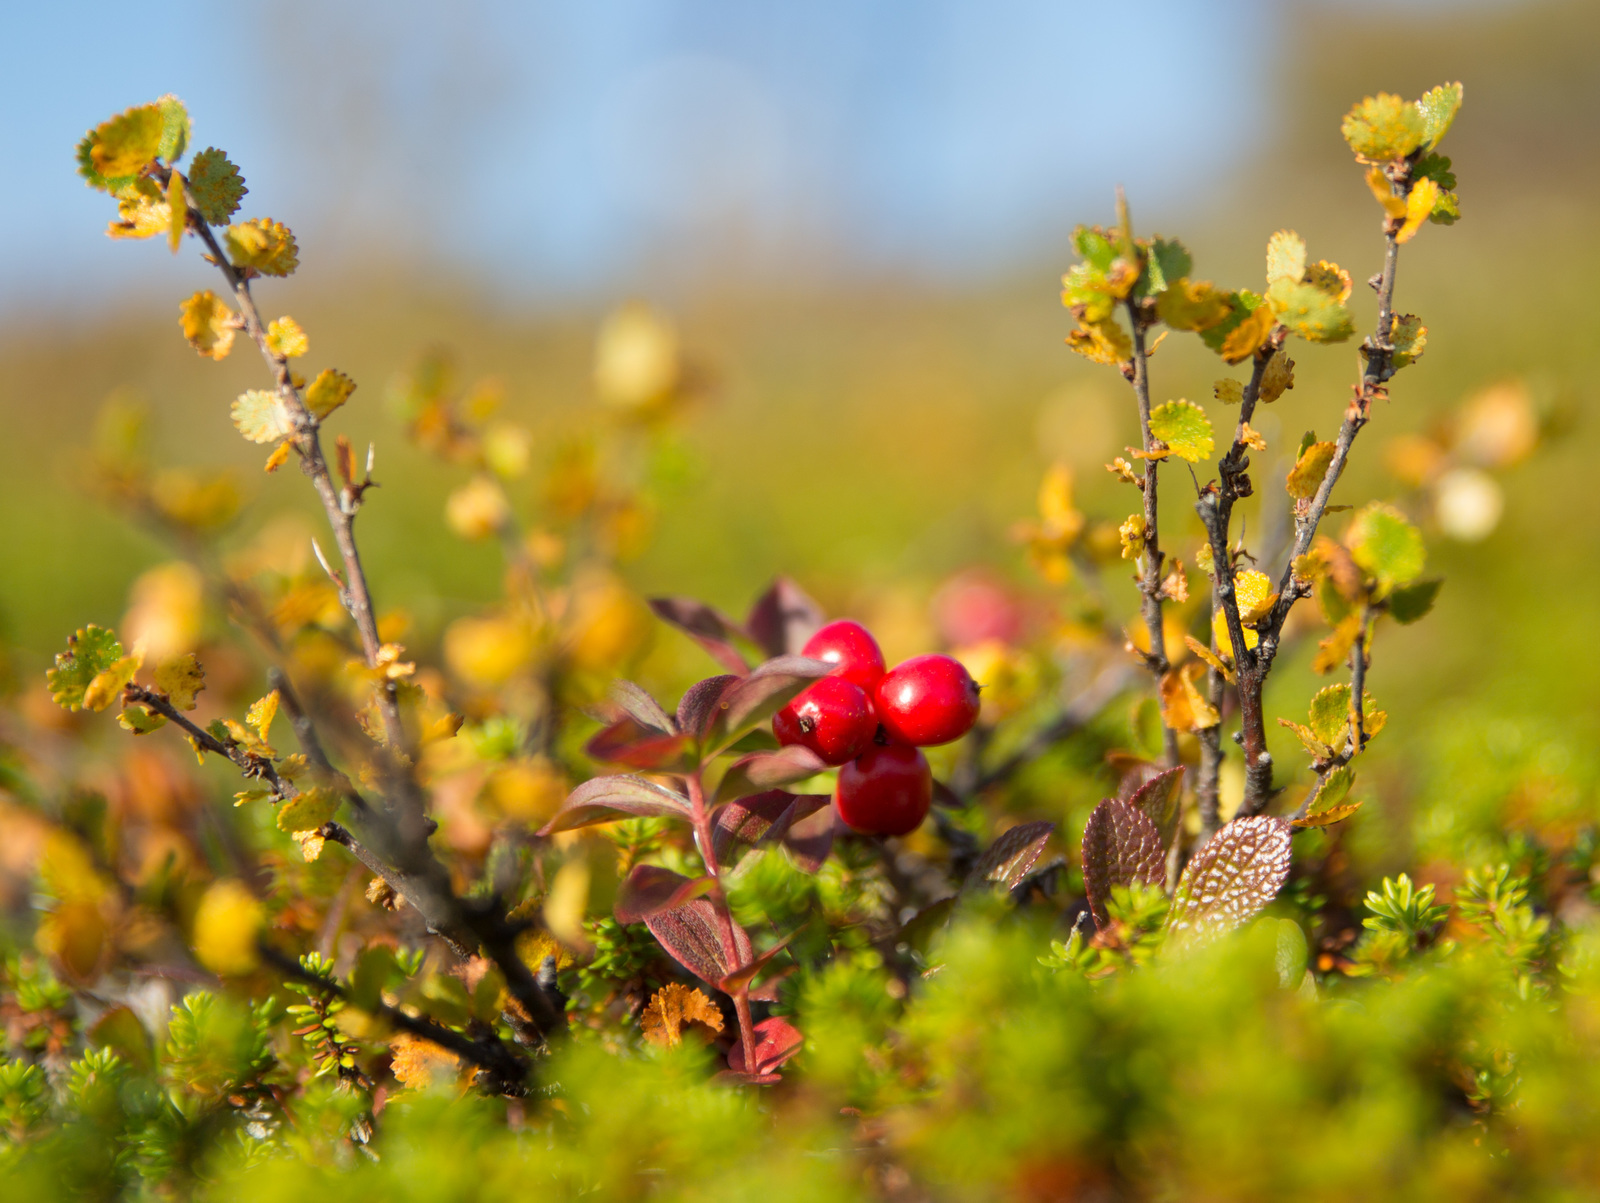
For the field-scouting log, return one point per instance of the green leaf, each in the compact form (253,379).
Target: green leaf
(1384,127)
(307,811)
(1168,261)
(1330,714)
(215,186)
(1386,545)
(174,128)
(1439,108)
(1308,311)
(262,417)
(1230,879)
(140,720)
(1446,209)
(89,653)
(265,245)
(328,392)
(1408,336)
(1411,603)
(1184,428)
(1241,305)
(1437,169)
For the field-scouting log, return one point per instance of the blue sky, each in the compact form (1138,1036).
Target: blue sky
(573,149)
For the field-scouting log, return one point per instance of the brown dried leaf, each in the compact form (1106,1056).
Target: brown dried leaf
(674,1007)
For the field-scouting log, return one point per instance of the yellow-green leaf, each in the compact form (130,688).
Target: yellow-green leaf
(1286,257)
(1386,545)
(262,417)
(1245,339)
(177,211)
(1330,714)
(208,324)
(286,338)
(181,679)
(1439,107)
(1184,428)
(1329,278)
(124,146)
(1192,305)
(90,652)
(328,392)
(1384,127)
(1102,342)
(1228,391)
(215,186)
(263,244)
(1408,336)
(1310,312)
(308,810)
(1305,478)
(140,720)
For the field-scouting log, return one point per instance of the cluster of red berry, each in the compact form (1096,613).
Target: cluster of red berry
(871,721)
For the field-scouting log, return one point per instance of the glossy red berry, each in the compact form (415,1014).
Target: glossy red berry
(885,791)
(850,646)
(927,700)
(834,718)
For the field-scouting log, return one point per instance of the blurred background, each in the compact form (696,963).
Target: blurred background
(855,217)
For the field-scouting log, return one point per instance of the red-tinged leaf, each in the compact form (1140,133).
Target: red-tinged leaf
(699,704)
(644,709)
(690,935)
(1158,798)
(1120,846)
(757,697)
(707,626)
(784,618)
(1232,878)
(946,797)
(606,799)
(776,1041)
(639,747)
(649,889)
(810,840)
(767,770)
(746,974)
(1008,859)
(757,817)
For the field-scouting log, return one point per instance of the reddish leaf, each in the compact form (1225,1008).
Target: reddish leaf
(776,1041)
(757,817)
(755,698)
(699,704)
(689,933)
(810,840)
(1120,846)
(767,770)
(628,742)
(1008,859)
(746,974)
(707,626)
(642,707)
(650,888)
(783,618)
(606,799)
(1158,799)
(1232,878)
(946,797)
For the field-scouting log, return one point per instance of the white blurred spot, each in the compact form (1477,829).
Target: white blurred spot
(1468,503)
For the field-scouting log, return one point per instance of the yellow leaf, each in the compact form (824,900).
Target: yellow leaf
(567,901)
(1102,342)
(1132,533)
(1229,392)
(1184,428)
(311,843)
(1419,204)
(1330,816)
(1122,470)
(263,244)
(1176,586)
(478,508)
(307,810)
(166,609)
(128,143)
(1205,561)
(1210,657)
(279,456)
(673,1007)
(181,679)
(1383,190)
(1252,592)
(1335,649)
(1061,517)
(1286,257)
(1251,438)
(1329,278)
(1306,476)
(1384,127)
(1408,336)
(178,211)
(328,392)
(107,686)
(1276,379)
(1247,337)
(285,338)
(418,1063)
(1184,706)
(262,417)
(225,927)
(140,212)
(261,714)
(1192,305)
(208,324)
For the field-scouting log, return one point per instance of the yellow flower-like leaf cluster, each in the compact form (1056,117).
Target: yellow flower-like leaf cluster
(286,338)
(263,245)
(208,324)
(1132,533)
(675,1007)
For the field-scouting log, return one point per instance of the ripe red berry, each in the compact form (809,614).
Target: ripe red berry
(927,700)
(852,647)
(885,791)
(834,718)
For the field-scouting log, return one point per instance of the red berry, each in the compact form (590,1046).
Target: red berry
(833,718)
(852,647)
(927,700)
(885,791)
